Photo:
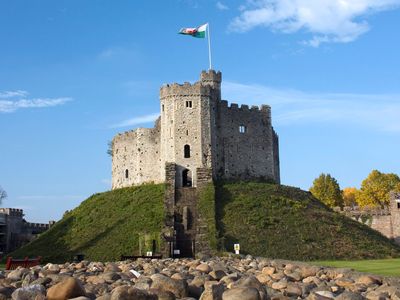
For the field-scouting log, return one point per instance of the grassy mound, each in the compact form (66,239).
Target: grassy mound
(266,219)
(285,222)
(103,227)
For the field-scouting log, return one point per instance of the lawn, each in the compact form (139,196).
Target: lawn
(386,267)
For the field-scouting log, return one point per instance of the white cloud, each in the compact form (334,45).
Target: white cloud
(8,105)
(340,21)
(137,120)
(12,94)
(221,6)
(373,111)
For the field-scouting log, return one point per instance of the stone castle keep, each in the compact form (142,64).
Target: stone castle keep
(197,139)
(197,130)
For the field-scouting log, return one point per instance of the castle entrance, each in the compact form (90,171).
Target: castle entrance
(186,178)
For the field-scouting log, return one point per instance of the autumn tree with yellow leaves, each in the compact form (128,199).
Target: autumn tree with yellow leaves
(349,195)
(375,189)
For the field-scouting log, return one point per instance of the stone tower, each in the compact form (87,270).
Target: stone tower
(187,115)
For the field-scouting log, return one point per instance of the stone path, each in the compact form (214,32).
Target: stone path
(217,278)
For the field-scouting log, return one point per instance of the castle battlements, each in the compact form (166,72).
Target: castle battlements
(245,107)
(209,81)
(37,225)
(184,90)
(14,212)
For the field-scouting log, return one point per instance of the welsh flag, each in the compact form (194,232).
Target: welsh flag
(199,32)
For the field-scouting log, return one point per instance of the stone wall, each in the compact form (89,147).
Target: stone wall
(385,220)
(247,144)
(15,231)
(136,157)
(395,216)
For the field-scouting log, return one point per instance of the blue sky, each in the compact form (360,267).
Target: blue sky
(74,73)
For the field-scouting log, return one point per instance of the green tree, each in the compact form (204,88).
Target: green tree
(327,190)
(3,194)
(375,189)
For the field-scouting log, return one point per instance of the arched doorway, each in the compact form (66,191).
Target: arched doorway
(186,178)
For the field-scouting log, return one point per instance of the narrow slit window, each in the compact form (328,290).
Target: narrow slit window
(189,104)
(126,174)
(242,129)
(186,151)
(162,107)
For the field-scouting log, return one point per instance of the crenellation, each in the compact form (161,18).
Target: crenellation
(223,104)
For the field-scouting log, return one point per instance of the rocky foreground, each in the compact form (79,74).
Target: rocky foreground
(217,278)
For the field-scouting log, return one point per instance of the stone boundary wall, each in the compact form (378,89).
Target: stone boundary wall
(385,220)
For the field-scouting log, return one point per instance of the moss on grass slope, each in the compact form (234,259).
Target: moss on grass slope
(285,222)
(103,227)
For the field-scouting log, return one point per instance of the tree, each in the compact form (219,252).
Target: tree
(3,194)
(327,190)
(110,148)
(375,189)
(349,195)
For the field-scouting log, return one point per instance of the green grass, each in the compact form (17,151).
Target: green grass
(285,222)
(206,210)
(103,227)
(386,267)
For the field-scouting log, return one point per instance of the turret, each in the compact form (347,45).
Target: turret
(212,79)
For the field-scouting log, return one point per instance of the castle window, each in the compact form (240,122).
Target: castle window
(126,174)
(186,151)
(162,107)
(187,132)
(242,129)
(189,104)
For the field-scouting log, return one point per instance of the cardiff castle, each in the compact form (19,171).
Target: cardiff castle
(198,131)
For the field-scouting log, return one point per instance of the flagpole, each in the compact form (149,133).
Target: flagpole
(209,45)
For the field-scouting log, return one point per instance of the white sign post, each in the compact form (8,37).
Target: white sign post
(236,247)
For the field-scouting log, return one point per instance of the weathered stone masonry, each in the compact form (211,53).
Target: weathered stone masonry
(197,139)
